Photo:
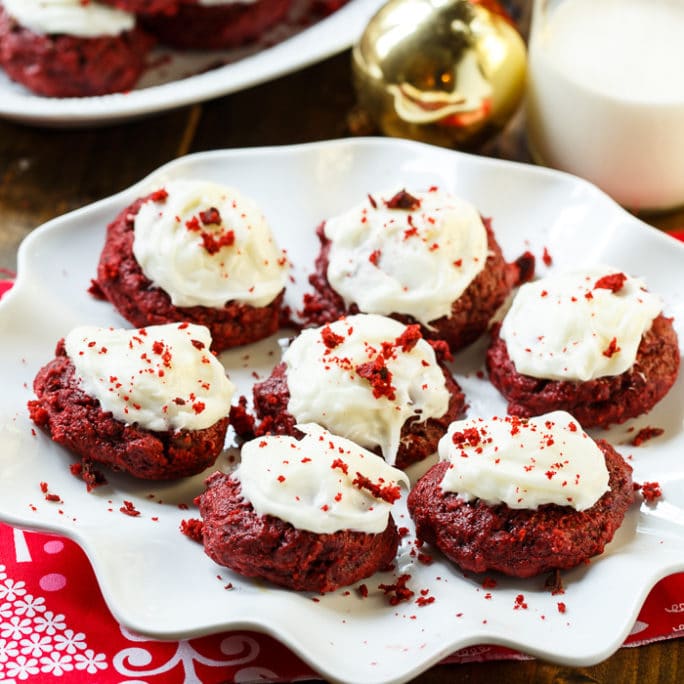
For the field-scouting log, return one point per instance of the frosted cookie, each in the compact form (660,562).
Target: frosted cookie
(521,496)
(216,24)
(68,48)
(420,257)
(199,252)
(151,402)
(368,378)
(312,514)
(593,342)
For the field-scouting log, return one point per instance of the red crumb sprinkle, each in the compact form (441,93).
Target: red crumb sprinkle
(388,492)
(210,216)
(374,257)
(193,528)
(645,434)
(379,377)
(488,583)
(403,531)
(425,600)
(409,338)
(183,506)
(469,436)
(330,339)
(213,243)
(546,257)
(129,509)
(425,558)
(520,603)
(403,200)
(561,607)
(651,491)
(613,282)
(159,195)
(398,591)
(612,348)
(341,465)
(48,495)
(362,588)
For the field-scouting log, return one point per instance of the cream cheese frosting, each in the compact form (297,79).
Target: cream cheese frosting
(206,244)
(70,17)
(524,463)
(416,260)
(578,325)
(322,483)
(335,377)
(162,377)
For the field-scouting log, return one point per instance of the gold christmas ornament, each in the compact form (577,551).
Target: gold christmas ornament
(447,72)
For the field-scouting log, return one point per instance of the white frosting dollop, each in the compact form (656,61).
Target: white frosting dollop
(524,463)
(70,17)
(563,327)
(415,261)
(162,377)
(326,387)
(317,483)
(206,244)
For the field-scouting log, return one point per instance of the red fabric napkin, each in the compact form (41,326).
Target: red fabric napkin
(55,626)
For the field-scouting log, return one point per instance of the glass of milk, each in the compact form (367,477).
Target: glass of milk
(605,95)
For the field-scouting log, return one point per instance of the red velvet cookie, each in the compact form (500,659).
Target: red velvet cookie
(217,26)
(599,402)
(76,421)
(267,547)
(422,232)
(121,280)
(61,65)
(419,435)
(521,542)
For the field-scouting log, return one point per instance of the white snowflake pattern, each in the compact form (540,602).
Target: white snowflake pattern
(15,627)
(35,640)
(36,645)
(8,649)
(30,605)
(22,667)
(11,590)
(50,623)
(56,663)
(70,641)
(90,661)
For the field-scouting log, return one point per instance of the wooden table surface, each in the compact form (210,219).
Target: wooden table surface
(45,173)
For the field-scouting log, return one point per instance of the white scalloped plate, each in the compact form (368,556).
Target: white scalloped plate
(177,79)
(159,583)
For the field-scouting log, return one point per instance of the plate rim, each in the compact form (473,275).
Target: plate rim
(328,36)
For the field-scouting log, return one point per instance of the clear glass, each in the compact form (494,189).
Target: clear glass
(605,95)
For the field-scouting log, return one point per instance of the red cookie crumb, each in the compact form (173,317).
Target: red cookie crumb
(192,528)
(645,434)
(651,491)
(129,508)
(398,591)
